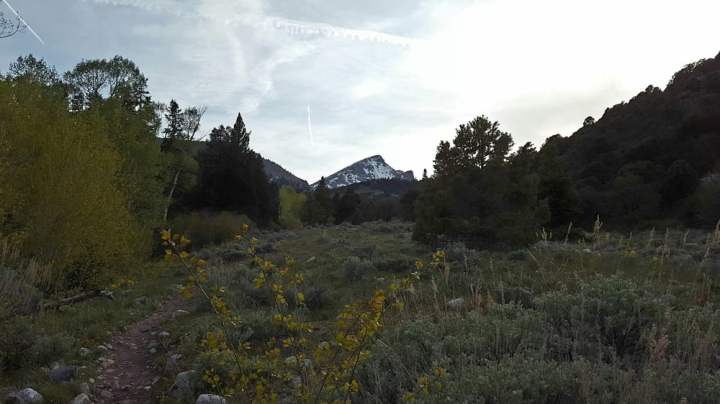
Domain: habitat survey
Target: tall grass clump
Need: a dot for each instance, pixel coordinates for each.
(21, 281)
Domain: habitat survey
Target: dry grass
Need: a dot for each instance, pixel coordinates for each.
(20, 281)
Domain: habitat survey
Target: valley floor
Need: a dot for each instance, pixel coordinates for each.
(615, 318)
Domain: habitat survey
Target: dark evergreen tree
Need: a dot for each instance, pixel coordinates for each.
(345, 206)
(239, 135)
(232, 176)
(479, 194)
(175, 124)
(319, 206)
(446, 160)
(481, 142)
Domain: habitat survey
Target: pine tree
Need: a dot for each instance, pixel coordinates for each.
(232, 176)
(319, 207)
(175, 123)
(239, 135)
(446, 160)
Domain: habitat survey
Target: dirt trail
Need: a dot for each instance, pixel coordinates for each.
(128, 372)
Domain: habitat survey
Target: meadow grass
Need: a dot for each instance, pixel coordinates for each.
(603, 318)
(611, 318)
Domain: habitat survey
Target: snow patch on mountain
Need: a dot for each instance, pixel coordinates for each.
(371, 168)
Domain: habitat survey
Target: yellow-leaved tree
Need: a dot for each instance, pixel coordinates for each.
(61, 197)
(292, 204)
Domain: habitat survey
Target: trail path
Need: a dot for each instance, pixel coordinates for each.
(128, 372)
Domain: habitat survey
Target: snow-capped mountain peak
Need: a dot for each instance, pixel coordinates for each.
(371, 168)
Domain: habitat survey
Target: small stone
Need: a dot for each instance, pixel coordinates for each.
(91, 380)
(81, 399)
(456, 303)
(153, 350)
(183, 388)
(62, 374)
(164, 334)
(210, 399)
(24, 396)
(84, 388)
(106, 394)
(85, 352)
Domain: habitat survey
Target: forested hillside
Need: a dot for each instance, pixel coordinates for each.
(654, 157)
(650, 162)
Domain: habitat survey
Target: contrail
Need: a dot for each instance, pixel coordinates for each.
(288, 26)
(295, 27)
(310, 132)
(22, 20)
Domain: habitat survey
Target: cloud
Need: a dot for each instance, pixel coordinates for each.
(368, 88)
(391, 78)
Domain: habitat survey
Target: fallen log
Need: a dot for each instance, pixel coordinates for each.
(54, 305)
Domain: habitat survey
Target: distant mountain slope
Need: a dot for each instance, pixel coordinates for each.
(281, 176)
(371, 168)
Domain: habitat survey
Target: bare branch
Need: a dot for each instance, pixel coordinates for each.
(10, 27)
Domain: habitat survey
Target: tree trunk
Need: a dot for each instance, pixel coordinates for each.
(170, 196)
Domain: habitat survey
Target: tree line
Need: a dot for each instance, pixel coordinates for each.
(93, 167)
(651, 162)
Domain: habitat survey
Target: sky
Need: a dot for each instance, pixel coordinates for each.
(322, 84)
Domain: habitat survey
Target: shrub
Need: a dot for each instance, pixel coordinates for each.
(17, 338)
(415, 348)
(367, 252)
(606, 316)
(355, 268)
(316, 297)
(49, 348)
(205, 228)
(518, 255)
(394, 264)
(457, 251)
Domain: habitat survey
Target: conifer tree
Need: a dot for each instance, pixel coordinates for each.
(239, 135)
(175, 123)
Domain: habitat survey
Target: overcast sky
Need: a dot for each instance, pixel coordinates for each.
(390, 77)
